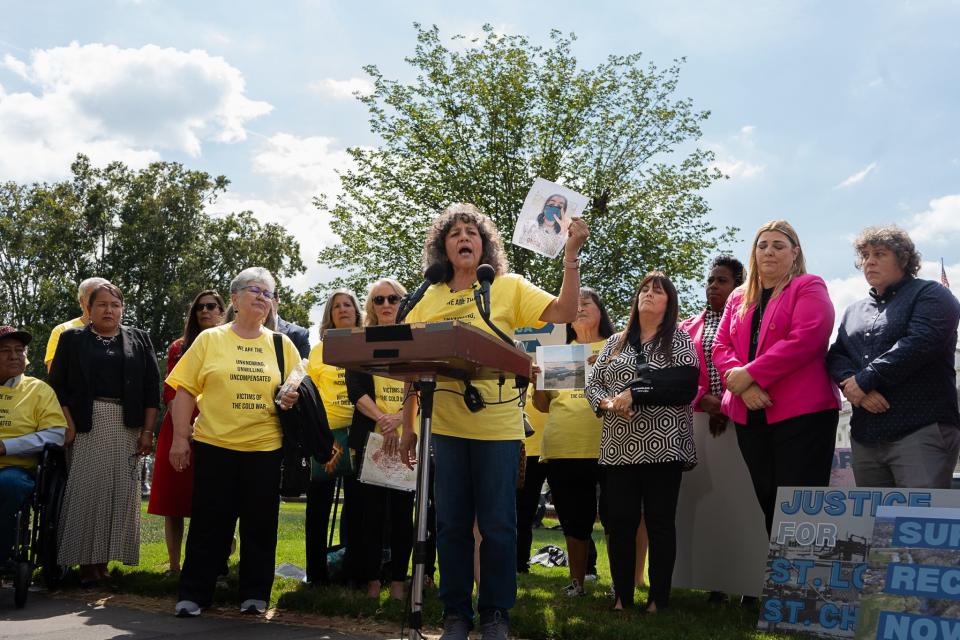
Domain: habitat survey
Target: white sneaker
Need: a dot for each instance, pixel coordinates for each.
(253, 607)
(186, 609)
(574, 590)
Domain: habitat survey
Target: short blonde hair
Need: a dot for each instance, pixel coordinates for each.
(370, 315)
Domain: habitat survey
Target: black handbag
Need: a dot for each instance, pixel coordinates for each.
(306, 433)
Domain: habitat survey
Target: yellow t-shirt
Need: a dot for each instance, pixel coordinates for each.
(29, 407)
(389, 395)
(332, 384)
(235, 380)
(573, 429)
(515, 302)
(55, 338)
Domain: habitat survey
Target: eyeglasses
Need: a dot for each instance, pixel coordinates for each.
(257, 291)
(392, 299)
(207, 306)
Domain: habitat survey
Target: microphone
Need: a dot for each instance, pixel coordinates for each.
(431, 276)
(485, 276)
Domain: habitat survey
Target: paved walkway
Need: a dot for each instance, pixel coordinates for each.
(75, 619)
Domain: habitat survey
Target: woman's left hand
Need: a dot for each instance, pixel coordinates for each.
(145, 443)
(579, 232)
(738, 380)
(390, 422)
(623, 404)
(289, 399)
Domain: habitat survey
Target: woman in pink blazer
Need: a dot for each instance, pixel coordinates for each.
(771, 349)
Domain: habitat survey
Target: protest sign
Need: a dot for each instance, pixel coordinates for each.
(912, 585)
(819, 550)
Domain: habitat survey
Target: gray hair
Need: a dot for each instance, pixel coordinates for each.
(891, 237)
(252, 274)
(87, 286)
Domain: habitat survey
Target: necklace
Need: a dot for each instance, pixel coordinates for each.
(106, 342)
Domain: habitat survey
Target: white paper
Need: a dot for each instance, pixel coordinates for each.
(563, 366)
(545, 217)
(385, 471)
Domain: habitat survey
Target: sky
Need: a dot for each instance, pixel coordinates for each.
(833, 115)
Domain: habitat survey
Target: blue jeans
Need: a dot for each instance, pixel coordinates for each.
(16, 484)
(477, 479)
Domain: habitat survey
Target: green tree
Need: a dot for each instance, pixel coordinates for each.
(479, 124)
(148, 231)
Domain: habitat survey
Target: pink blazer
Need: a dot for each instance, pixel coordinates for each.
(791, 356)
(694, 326)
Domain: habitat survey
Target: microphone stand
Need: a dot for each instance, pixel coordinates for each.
(478, 297)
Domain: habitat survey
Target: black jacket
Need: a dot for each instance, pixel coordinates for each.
(70, 376)
(359, 385)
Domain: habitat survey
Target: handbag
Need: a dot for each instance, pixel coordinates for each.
(306, 433)
(339, 464)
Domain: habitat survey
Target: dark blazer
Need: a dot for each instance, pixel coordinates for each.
(70, 376)
(299, 336)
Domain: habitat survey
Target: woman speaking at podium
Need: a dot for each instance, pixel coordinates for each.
(477, 451)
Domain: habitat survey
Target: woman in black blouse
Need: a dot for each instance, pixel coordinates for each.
(642, 385)
(108, 384)
(387, 514)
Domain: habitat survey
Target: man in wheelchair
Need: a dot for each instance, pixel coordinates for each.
(30, 418)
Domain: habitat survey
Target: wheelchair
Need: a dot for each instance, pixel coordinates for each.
(37, 523)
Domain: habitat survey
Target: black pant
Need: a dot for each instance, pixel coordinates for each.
(351, 527)
(528, 499)
(316, 524)
(573, 485)
(649, 491)
(387, 514)
(228, 485)
(797, 452)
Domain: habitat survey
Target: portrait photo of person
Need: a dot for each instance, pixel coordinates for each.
(543, 222)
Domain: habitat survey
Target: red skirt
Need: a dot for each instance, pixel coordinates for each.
(171, 493)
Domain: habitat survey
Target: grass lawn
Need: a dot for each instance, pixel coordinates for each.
(541, 612)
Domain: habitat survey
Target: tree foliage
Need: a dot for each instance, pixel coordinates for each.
(480, 122)
(146, 231)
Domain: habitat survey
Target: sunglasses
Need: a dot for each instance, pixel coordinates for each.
(207, 306)
(257, 291)
(392, 299)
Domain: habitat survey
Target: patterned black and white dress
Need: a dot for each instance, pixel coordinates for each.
(655, 433)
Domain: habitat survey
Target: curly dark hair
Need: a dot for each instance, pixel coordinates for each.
(434, 250)
(893, 238)
(735, 266)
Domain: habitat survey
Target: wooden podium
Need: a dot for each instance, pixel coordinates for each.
(420, 354)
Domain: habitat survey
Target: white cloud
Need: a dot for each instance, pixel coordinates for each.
(311, 163)
(342, 89)
(858, 176)
(738, 169)
(845, 291)
(939, 223)
(118, 104)
(876, 82)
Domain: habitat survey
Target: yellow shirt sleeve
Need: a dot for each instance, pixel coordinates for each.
(55, 338)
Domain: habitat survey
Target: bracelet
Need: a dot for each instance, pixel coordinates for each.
(571, 264)
(150, 431)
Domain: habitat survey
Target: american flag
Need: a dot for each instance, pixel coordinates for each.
(943, 275)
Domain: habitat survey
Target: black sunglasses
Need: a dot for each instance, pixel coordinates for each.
(209, 306)
(392, 299)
